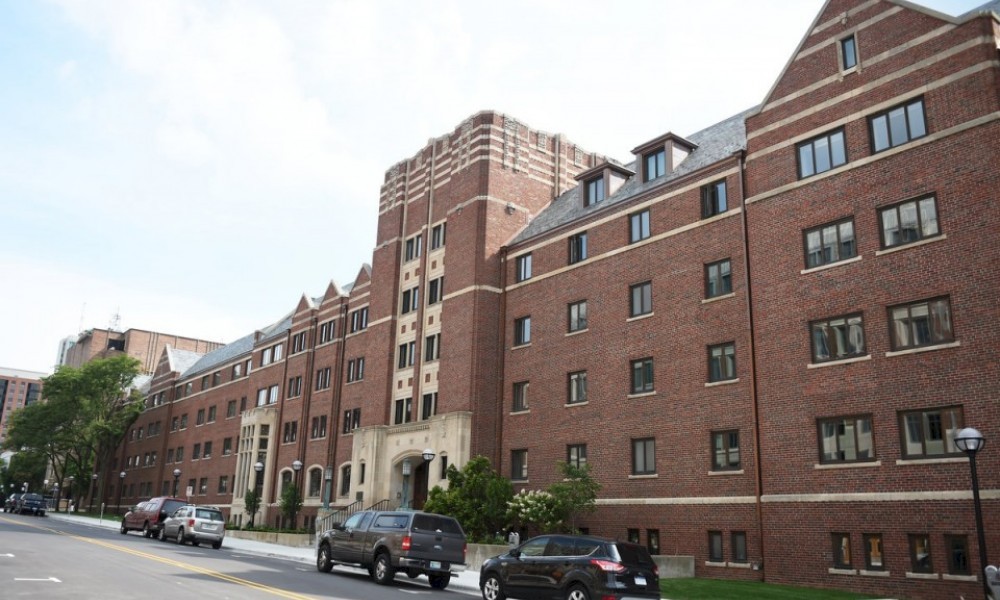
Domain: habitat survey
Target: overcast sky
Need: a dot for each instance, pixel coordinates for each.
(195, 167)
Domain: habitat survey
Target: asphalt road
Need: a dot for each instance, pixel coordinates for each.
(53, 559)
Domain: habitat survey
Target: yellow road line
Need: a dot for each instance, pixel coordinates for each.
(209, 572)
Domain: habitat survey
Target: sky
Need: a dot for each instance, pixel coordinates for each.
(195, 167)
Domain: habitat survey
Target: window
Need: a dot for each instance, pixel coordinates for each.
(203, 486)
(356, 369)
(739, 539)
(523, 264)
(204, 382)
(713, 199)
(290, 432)
(722, 362)
(873, 552)
(208, 450)
(718, 279)
(352, 419)
(179, 456)
(411, 300)
(638, 226)
(848, 53)
(898, 125)
(924, 323)
(413, 248)
(323, 378)
(837, 338)
(196, 452)
(930, 432)
(227, 446)
(359, 319)
(211, 414)
(841, 550)
(642, 299)
(295, 386)
(642, 376)
(174, 424)
(821, 154)
(655, 164)
(223, 485)
(438, 236)
(726, 450)
(299, 342)
(594, 191)
(578, 248)
(404, 411)
(170, 455)
(184, 421)
(406, 354)
(432, 347)
(846, 439)
(633, 535)
(327, 332)
(200, 418)
(576, 455)
(520, 396)
(237, 371)
(216, 378)
(920, 553)
(577, 388)
(577, 316)
(957, 549)
(644, 456)
(318, 429)
(435, 291)
(428, 408)
(315, 482)
(831, 243)
(909, 222)
(345, 480)
(522, 331)
(519, 465)
(653, 541)
(715, 546)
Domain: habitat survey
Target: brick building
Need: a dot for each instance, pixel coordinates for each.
(144, 346)
(762, 337)
(18, 388)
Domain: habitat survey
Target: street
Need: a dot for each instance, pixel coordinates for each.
(50, 558)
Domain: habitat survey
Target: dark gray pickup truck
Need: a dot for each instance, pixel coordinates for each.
(415, 543)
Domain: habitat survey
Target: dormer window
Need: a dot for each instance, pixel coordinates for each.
(655, 165)
(595, 190)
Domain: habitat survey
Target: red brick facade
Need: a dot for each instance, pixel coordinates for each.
(779, 411)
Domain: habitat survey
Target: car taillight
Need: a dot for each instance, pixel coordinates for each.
(406, 543)
(608, 565)
(190, 522)
(465, 552)
(656, 570)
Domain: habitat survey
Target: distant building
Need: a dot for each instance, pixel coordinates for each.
(141, 344)
(18, 389)
(65, 345)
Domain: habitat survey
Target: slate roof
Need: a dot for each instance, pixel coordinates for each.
(181, 360)
(993, 6)
(715, 143)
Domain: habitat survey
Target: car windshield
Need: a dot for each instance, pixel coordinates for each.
(169, 506)
(436, 523)
(211, 515)
(35, 497)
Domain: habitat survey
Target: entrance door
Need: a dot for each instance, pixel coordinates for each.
(420, 485)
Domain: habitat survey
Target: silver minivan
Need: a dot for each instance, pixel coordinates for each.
(195, 524)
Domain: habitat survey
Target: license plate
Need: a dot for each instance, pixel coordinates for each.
(640, 580)
(209, 527)
(435, 564)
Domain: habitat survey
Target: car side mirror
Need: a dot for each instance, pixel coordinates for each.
(515, 552)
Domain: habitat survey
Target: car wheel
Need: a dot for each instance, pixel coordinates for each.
(146, 532)
(217, 545)
(383, 572)
(577, 592)
(439, 581)
(493, 588)
(124, 529)
(323, 562)
(180, 536)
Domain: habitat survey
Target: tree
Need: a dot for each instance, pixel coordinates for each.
(290, 502)
(251, 502)
(477, 496)
(575, 494)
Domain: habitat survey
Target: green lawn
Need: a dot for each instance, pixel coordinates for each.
(717, 589)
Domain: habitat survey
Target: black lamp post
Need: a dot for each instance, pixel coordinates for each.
(428, 456)
(296, 466)
(93, 491)
(58, 494)
(970, 441)
(258, 467)
(69, 493)
(177, 476)
(121, 488)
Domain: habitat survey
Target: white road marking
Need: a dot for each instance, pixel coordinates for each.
(7, 555)
(52, 579)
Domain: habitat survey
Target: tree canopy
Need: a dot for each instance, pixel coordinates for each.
(477, 497)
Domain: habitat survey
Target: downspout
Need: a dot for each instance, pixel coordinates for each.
(498, 425)
(281, 412)
(758, 477)
(335, 433)
(306, 396)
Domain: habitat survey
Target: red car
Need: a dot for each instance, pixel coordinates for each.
(149, 516)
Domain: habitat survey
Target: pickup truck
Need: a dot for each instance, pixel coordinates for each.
(384, 542)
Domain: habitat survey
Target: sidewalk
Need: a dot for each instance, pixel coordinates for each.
(467, 581)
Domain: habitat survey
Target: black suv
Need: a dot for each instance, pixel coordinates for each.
(574, 567)
(31, 504)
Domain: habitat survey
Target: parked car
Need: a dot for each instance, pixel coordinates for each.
(32, 504)
(416, 543)
(11, 503)
(148, 516)
(574, 567)
(196, 524)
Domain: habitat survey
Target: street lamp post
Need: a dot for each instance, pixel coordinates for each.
(970, 441)
(93, 491)
(58, 494)
(177, 476)
(121, 488)
(406, 483)
(258, 467)
(428, 456)
(296, 466)
(69, 494)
